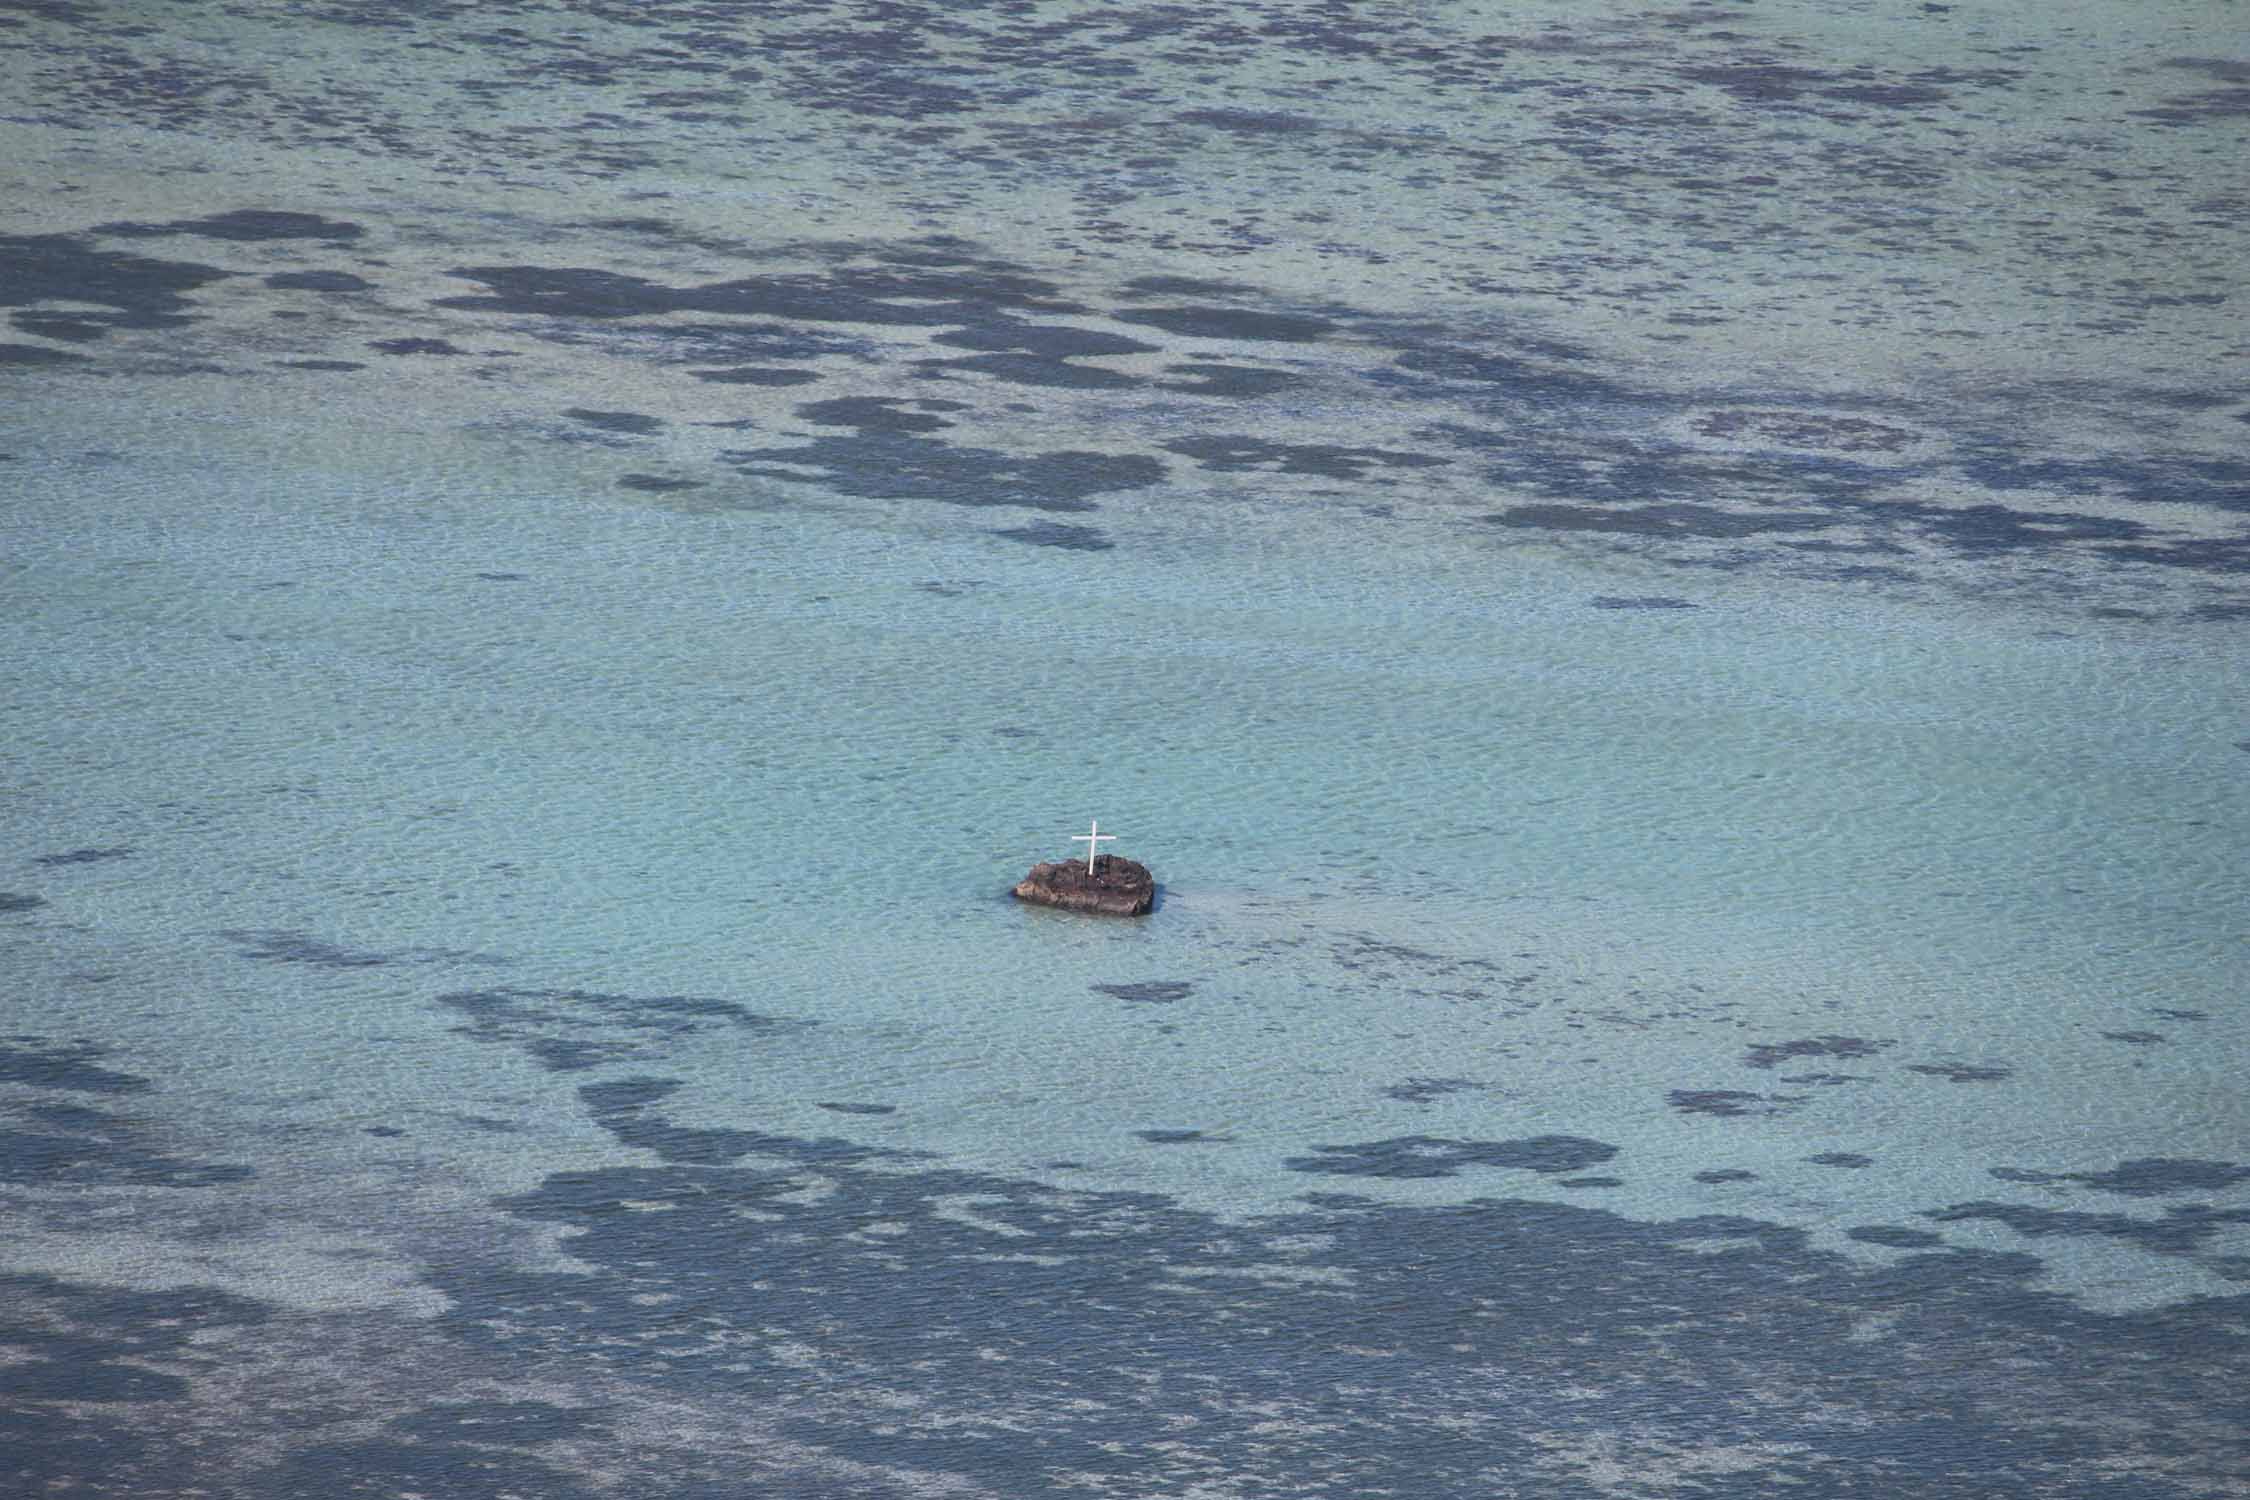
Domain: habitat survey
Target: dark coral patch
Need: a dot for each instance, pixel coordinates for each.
(2230, 100)
(622, 1108)
(632, 422)
(1182, 286)
(1530, 379)
(32, 356)
(318, 281)
(281, 946)
(1423, 1090)
(755, 375)
(1051, 341)
(1235, 382)
(1767, 1054)
(2183, 1229)
(562, 291)
(1994, 529)
(759, 345)
(1413, 1156)
(879, 413)
(57, 1380)
(1035, 370)
(1237, 453)
(1726, 1102)
(1757, 83)
(1250, 121)
(142, 291)
(244, 224)
(1231, 323)
(82, 856)
(68, 328)
(78, 1146)
(415, 346)
(628, 1093)
(1960, 1072)
(1094, 1304)
(1897, 1239)
(1150, 991)
(1638, 601)
(890, 465)
(1058, 534)
(2143, 1177)
(1805, 429)
(575, 1055)
(894, 296)
(32, 1062)
(573, 1030)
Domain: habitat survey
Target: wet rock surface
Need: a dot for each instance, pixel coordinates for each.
(1118, 887)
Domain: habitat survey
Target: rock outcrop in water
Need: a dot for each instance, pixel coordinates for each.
(1117, 888)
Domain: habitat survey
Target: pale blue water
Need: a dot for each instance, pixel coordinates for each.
(1700, 860)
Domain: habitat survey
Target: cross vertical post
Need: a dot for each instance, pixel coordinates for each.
(1093, 840)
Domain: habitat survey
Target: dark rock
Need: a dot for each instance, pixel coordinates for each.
(1118, 887)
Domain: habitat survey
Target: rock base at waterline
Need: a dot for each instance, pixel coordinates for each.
(1117, 888)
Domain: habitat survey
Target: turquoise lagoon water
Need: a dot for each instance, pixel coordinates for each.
(1700, 887)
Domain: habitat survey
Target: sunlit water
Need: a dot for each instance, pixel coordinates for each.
(460, 795)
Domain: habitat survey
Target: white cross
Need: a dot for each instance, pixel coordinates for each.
(1093, 841)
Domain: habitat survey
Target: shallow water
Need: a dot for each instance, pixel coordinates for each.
(1700, 859)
